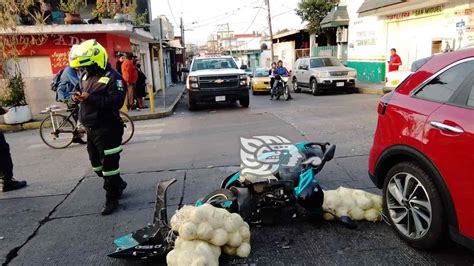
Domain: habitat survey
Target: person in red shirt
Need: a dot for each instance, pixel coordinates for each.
(395, 61)
(130, 75)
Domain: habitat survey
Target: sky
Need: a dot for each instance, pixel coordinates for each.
(204, 17)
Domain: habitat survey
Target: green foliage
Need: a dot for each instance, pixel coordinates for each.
(140, 19)
(14, 94)
(110, 9)
(313, 11)
(71, 6)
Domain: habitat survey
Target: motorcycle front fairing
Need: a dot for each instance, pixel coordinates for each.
(153, 241)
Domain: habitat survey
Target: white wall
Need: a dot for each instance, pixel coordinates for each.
(285, 51)
(32, 66)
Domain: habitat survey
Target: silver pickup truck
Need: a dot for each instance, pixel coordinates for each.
(216, 79)
(322, 73)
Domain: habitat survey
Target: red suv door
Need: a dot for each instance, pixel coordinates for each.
(449, 136)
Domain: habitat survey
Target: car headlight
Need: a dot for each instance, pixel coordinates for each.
(243, 82)
(352, 73)
(193, 79)
(243, 77)
(194, 85)
(322, 75)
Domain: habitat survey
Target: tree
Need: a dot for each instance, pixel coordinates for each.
(313, 11)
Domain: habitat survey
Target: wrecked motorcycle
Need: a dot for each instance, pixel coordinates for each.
(257, 201)
(262, 201)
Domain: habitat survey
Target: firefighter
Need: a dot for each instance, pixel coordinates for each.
(101, 93)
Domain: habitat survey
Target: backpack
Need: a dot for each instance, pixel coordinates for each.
(55, 81)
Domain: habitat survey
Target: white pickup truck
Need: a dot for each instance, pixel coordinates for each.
(216, 79)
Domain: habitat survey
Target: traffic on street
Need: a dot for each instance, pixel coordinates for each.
(298, 132)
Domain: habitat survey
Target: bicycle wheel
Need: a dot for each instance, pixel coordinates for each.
(56, 131)
(128, 128)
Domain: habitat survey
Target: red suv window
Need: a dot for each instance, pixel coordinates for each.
(442, 87)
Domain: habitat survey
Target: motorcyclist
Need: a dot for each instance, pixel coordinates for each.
(101, 93)
(281, 71)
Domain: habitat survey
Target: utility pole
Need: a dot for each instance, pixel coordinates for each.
(182, 32)
(162, 65)
(230, 38)
(271, 31)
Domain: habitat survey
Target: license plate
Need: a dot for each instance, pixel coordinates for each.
(220, 98)
(395, 82)
(340, 84)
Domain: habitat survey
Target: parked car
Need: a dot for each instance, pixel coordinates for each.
(260, 81)
(322, 73)
(423, 152)
(216, 79)
(395, 78)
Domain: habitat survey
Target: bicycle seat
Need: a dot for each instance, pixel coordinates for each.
(52, 108)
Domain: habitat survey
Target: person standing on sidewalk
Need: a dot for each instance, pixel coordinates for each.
(101, 93)
(130, 75)
(395, 60)
(7, 182)
(140, 87)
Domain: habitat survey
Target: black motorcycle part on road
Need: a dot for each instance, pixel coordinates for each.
(153, 241)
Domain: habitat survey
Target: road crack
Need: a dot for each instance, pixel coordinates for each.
(12, 254)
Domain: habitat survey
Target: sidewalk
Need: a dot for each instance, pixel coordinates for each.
(162, 109)
(370, 88)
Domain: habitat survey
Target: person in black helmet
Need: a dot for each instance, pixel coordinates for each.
(101, 93)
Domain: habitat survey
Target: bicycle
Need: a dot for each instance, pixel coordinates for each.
(58, 130)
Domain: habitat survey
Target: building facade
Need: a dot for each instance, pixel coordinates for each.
(415, 28)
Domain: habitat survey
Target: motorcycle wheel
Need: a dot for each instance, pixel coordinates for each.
(220, 195)
(286, 93)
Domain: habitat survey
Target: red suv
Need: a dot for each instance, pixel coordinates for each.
(423, 152)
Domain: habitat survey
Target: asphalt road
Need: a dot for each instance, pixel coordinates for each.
(56, 219)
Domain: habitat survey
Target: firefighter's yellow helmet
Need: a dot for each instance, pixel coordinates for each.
(88, 53)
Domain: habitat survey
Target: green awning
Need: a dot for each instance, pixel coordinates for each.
(369, 5)
(336, 17)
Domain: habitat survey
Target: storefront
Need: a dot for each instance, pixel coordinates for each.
(44, 52)
(416, 29)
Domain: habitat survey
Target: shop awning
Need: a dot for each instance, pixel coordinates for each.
(123, 29)
(369, 5)
(337, 17)
(389, 7)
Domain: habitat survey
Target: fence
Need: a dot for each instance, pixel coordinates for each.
(324, 51)
(302, 53)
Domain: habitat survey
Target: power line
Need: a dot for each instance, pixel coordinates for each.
(172, 14)
(256, 15)
(225, 14)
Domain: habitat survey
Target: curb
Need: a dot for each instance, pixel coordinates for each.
(36, 124)
(371, 91)
(169, 111)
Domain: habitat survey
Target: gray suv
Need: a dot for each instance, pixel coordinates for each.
(322, 73)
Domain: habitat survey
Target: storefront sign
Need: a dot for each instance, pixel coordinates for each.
(464, 12)
(402, 15)
(427, 11)
(59, 60)
(68, 40)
